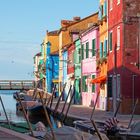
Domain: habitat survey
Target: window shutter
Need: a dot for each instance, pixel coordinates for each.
(105, 8)
(87, 49)
(93, 47)
(101, 49)
(110, 41)
(93, 85)
(109, 87)
(82, 55)
(105, 48)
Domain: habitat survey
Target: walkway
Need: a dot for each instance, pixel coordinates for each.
(82, 112)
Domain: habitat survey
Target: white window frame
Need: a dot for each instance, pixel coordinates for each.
(109, 41)
(111, 4)
(118, 2)
(118, 37)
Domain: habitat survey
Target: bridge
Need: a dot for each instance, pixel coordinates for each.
(17, 84)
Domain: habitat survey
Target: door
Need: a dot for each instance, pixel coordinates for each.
(114, 85)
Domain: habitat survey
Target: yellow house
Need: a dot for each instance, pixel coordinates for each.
(103, 50)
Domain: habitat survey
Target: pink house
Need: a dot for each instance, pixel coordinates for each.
(89, 51)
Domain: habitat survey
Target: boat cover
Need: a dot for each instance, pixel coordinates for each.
(70, 133)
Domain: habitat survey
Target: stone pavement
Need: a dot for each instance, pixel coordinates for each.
(83, 112)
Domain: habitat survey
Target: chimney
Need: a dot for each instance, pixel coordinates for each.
(76, 18)
(65, 23)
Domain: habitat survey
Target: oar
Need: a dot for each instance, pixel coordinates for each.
(94, 106)
(59, 99)
(66, 100)
(25, 115)
(117, 109)
(5, 112)
(92, 120)
(47, 116)
(53, 92)
(73, 93)
(134, 108)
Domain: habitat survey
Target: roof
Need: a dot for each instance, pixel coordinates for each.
(77, 21)
(55, 32)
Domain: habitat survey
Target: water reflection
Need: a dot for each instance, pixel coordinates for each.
(10, 106)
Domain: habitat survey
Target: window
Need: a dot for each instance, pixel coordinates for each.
(118, 2)
(93, 47)
(93, 85)
(105, 8)
(102, 10)
(110, 41)
(109, 86)
(82, 55)
(118, 37)
(105, 48)
(101, 49)
(84, 86)
(118, 86)
(111, 4)
(87, 50)
(79, 55)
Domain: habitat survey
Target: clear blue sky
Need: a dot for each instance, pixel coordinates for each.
(23, 24)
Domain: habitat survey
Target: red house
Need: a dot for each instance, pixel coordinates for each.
(124, 55)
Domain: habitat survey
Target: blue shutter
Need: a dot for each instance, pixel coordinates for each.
(101, 53)
(105, 8)
(105, 48)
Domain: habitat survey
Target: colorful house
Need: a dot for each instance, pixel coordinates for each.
(77, 70)
(52, 60)
(66, 38)
(37, 58)
(103, 51)
(89, 49)
(124, 56)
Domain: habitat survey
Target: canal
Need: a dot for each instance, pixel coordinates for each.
(10, 106)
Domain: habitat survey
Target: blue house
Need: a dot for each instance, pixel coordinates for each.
(52, 68)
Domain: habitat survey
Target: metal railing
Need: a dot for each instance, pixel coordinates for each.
(16, 84)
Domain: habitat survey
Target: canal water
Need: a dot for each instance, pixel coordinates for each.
(10, 106)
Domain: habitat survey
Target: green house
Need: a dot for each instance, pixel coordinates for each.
(77, 71)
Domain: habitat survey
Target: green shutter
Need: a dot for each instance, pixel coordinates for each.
(79, 53)
(83, 83)
(84, 86)
(87, 50)
(93, 85)
(82, 51)
(93, 47)
(110, 41)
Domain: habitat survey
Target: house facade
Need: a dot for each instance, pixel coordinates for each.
(65, 38)
(77, 71)
(52, 60)
(103, 52)
(123, 58)
(89, 45)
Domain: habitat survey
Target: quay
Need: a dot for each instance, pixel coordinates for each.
(84, 113)
(7, 134)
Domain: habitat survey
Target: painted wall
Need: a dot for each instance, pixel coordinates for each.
(77, 71)
(89, 64)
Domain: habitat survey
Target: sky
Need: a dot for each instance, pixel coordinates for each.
(23, 25)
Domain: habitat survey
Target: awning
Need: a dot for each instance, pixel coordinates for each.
(99, 79)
